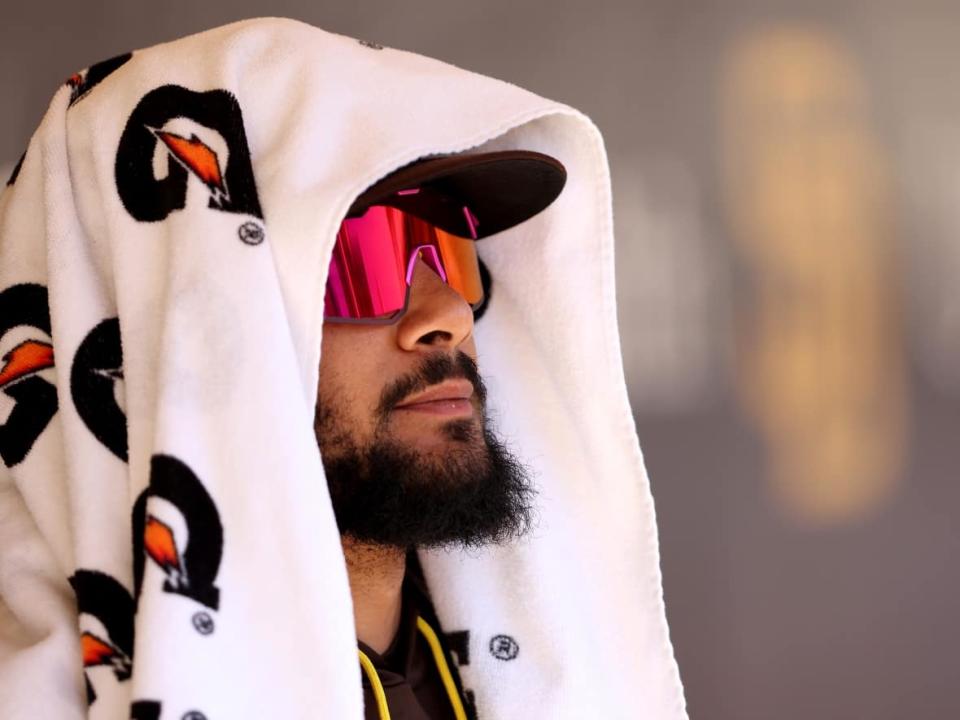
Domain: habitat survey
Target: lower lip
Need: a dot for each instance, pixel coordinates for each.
(459, 406)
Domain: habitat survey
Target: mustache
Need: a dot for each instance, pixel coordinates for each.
(434, 369)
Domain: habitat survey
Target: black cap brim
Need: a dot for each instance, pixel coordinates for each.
(501, 189)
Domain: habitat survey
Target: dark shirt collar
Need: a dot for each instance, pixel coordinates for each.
(396, 664)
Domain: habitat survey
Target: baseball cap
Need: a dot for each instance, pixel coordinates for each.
(501, 189)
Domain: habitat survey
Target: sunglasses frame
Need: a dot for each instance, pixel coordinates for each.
(436, 265)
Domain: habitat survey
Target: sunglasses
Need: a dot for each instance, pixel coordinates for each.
(374, 258)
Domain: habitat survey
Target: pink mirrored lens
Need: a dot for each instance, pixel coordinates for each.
(368, 268)
(373, 259)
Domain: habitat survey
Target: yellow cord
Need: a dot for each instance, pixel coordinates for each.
(441, 661)
(378, 692)
(442, 666)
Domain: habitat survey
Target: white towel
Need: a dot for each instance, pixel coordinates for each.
(198, 435)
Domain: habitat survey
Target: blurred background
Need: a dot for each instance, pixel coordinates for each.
(786, 183)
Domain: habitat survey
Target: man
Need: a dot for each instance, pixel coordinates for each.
(409, 454)
(248, 280)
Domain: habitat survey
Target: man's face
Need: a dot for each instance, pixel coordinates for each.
(401, 422)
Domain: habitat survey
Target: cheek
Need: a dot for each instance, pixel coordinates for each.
(351, 376)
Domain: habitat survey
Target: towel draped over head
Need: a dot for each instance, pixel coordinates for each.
(167, 542)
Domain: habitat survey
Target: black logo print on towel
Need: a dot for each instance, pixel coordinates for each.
(84, 81)
(191, 568)
(103, 598)
(145, 710)
(16, 169)
(504, 647)
(190, 571)
(150, 710)
(35, 398)
(459, 643)
(97, 368)
(230, 182)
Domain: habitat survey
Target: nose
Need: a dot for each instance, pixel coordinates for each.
(437, 317)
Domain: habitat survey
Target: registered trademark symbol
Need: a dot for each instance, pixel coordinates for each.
(193, 715)
(251, 233)
(503, 647)
(203, 623)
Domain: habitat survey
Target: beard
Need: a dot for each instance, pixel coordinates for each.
(473, 492)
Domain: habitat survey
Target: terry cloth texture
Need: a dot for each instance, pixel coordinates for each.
(168, 548)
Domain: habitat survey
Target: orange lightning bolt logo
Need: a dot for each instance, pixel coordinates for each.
(99, 652)
(198, 158)
(27, 357)
(160, 545)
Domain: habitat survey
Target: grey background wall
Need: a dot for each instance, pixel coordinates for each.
(786, 178)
